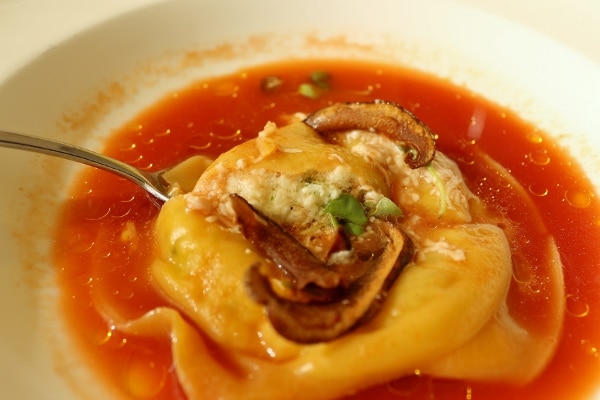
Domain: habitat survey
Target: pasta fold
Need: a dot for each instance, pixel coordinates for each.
(448, 314)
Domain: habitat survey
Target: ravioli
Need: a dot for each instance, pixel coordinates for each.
(446, 313)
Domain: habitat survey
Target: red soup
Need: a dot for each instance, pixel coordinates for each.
(97, 268)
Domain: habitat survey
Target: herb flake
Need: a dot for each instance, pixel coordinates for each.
(387, 208)
(309, 90)
(346, 210)
(321, 79)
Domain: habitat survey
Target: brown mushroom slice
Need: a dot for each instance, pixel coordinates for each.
(296, 261)
(333, 301)
(318, 321)
(385, 118)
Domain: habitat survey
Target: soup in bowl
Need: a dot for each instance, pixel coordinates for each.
(466, 273)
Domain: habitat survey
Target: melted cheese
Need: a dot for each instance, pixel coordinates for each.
(289, 186)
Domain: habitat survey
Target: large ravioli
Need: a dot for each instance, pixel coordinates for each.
(448, 314)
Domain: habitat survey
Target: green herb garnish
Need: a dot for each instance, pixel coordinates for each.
(346, 210)
(319, 82)
(353, 229)
(386, 208)
(321, 79)
(441, 188)
(309, 90)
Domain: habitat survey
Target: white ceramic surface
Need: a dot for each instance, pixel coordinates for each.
(59, 57)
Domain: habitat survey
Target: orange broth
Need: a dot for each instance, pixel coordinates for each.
(99, 266)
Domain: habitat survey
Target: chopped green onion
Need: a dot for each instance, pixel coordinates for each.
(441, 188)
(319, 82)
(334, 222)
(271, 83)
(353, 229)
(347, 211)
(321, 79)
(386, 207)
(309, 90)
(347, 208)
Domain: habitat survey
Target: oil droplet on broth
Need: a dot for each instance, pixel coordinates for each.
(124, 294)
(79, 242)
(539, 157)
(105, 337)
(576, 307)
(97, 213)
(503, 182)
(99, 338)
(538, 189)
(164, 133)
(84, 279)
(236, 134)
(578, 198)
(120, 213)
(134, 160)
(127, 147)
(142, 377)
(147, 166)
(198, 142)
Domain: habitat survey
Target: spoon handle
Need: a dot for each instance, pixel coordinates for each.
(149, 182)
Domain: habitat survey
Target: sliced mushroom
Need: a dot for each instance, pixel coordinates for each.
(334, 300)
(296, 261)
(385, 118)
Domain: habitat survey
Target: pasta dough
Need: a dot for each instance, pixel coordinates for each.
(447, 314)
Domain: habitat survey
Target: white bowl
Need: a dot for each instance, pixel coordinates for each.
(95, 65)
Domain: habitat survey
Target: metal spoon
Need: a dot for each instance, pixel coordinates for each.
(154, 183)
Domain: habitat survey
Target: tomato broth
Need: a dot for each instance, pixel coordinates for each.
(104, 240)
